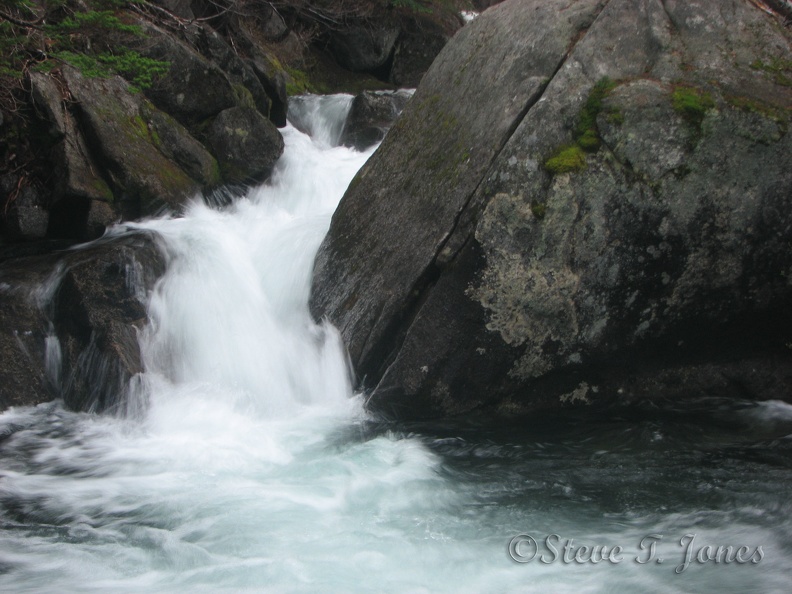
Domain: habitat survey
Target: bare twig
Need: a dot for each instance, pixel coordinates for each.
(19, 23)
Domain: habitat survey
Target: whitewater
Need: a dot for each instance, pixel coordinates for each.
(250, 464)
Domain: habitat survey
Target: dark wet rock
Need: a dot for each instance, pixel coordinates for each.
(194, 89)
(25, 215)
(273, 80)
(247, 144)
(371, 115)
(23, 330)
(69, 323)
(420, 41)
(98, 309)
(79, 181)
(530, 235)
(78, 175)
(364, 47)
(245, 82)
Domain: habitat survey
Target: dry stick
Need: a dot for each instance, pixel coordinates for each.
(19, 23)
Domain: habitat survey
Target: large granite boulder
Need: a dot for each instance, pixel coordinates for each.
(583, 202)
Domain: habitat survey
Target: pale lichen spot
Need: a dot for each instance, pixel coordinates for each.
(579, 394)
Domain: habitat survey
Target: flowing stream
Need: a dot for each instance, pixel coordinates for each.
(252, 466)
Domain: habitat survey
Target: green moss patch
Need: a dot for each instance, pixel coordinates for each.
(298, 82)
(692, 104)
(778, 69)
(758, 107)
(586, 133)
(566, 159)
(539, 209)
(572, 157)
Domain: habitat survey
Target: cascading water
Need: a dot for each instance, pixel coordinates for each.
(253, 466)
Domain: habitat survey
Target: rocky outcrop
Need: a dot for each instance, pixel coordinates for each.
(28, 216)
(23, 335)
(120, 157)
(125, 131)
(78, 159)
(370, 117)
(194, 89)
(273, 80)
(69, 323)
(582, 202)
(246, 84)
(78, 186)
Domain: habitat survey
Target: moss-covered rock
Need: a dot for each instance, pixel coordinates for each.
(126, 138)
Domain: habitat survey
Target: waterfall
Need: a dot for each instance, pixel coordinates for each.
(252, 466)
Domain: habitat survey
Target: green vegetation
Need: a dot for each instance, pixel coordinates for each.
(539, 209)
(566, 159)
(758, 107)
(780, 70)
(244, 96)
(138, 70)
(615, 117)
(587, 134)
(692, 104)
(298, 82)
(777, 114)
(89, 36)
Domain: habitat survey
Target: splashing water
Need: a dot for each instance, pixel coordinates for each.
(255, 468)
